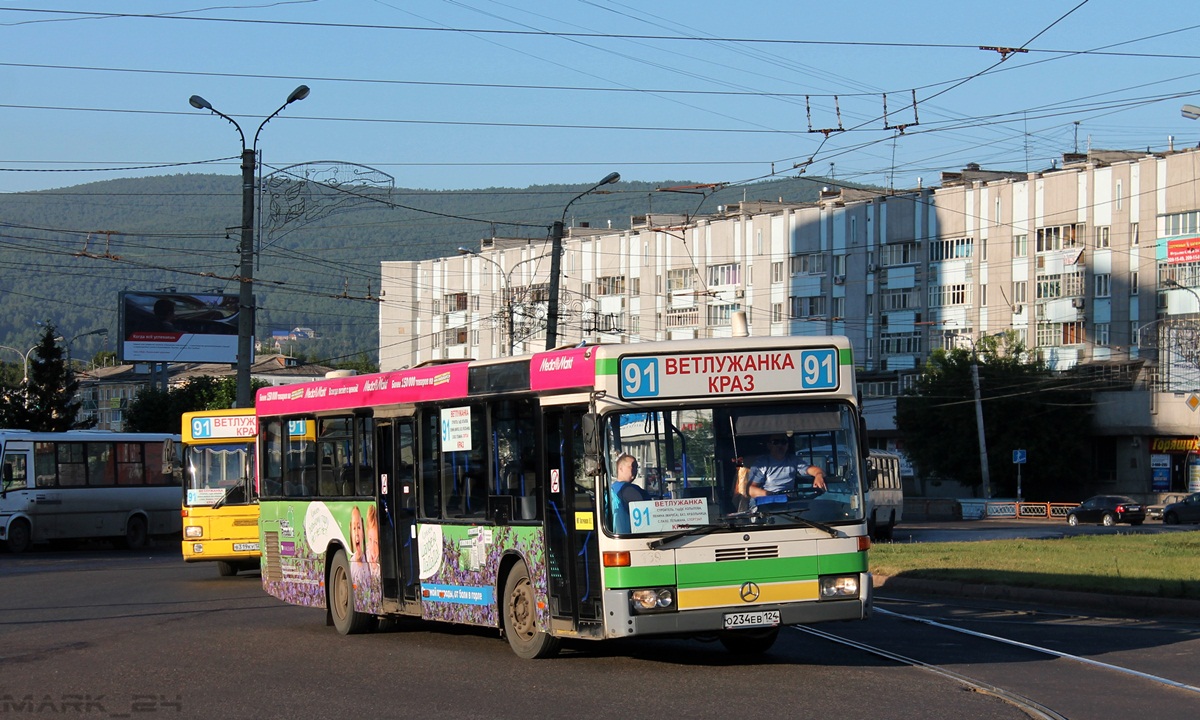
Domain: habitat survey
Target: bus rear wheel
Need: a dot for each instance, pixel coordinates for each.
(749, 642)
(135, 533)
(340, 599)
(20, 537)
(520, 618)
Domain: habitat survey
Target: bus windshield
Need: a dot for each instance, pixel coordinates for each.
(219, 473)
(727, 466)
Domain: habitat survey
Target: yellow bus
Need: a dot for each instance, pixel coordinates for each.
(220, 492)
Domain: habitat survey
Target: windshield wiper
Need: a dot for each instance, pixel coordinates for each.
(226, 495)
(694, 530)
(795, 515)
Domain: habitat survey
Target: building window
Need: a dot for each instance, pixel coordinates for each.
(1133, 234)
(455, 302)
(1133, 283)
(1101, 282)
(1020, 290)
(719, 315)
(950, 249)
(839, 265)
(810, 264)
(898, 254)
(900, 299)
(777, 272)
(1020, 245)
(680, 279)
(1057, 237)
(777, 312)
(1120, 194)
(946, 295)
(1102, 240)
(1185, 223)
(839, 308)
(610, 285)
(900, 343)
(724, 274)
(808, 306)
(1102, 334)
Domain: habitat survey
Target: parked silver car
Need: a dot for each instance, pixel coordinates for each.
(1155, 511)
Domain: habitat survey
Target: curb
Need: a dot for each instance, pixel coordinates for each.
(1139, 606)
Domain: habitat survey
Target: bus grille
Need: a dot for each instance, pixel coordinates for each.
(747, 553)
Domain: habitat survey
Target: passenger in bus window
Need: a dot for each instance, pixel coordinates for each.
(623, 491)
(776, 472)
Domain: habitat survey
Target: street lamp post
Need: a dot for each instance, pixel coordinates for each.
(98, 331)
(556, 238)
(984, 471)
(507, 276)
(246, 273)
(507, 293)
(25, 358)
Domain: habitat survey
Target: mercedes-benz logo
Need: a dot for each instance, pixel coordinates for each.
(749, 591)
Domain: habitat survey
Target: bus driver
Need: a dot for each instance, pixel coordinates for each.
(776, 472)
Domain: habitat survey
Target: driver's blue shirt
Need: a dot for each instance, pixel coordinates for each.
(776, 476)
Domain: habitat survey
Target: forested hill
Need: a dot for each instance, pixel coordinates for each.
(66, 254)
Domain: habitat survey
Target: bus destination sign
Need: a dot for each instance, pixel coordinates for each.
(729, 373)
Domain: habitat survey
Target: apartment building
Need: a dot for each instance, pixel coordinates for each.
(1094, 263)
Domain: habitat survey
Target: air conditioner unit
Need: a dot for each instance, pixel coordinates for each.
(739, 293)
(872, 268)
(839, 279)
(1077, 303)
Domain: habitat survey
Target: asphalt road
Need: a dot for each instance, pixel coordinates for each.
(98, 632)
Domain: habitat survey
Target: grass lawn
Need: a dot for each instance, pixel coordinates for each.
(1159, 565)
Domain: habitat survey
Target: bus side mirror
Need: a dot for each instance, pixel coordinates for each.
(591, 442)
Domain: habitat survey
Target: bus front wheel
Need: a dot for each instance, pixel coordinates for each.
(226, 569)
(20, 538)
(520, 618)
(340, 600)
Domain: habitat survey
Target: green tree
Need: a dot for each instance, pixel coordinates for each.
(1025, 407)
(156, 410)
(48, 402)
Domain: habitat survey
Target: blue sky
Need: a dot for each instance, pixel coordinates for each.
(446, 94)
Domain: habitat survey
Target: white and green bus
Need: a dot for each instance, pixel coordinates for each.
(83, 484)
(481, 492)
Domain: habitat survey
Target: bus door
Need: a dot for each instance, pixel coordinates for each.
(398, 506)
(572, 548)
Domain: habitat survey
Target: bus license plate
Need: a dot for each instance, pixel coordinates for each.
(763, 618)
(244, 547)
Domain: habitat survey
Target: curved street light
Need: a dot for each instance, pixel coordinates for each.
(97, 331)
(556, 238)
(506, 275)
(25, 357)
(246, 279)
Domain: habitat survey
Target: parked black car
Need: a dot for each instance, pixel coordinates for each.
(1186, 510)
(1108, 510)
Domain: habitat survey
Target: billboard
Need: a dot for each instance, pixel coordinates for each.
(178, 327)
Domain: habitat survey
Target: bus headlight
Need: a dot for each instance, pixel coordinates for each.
(652, 599)
(193, 531)
(839, 586)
